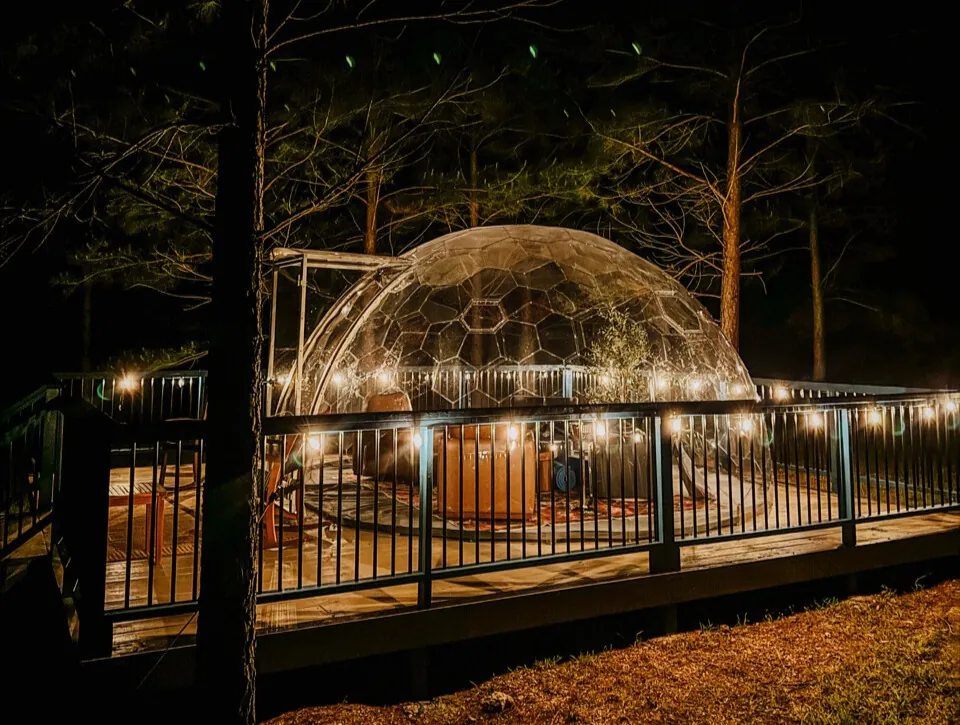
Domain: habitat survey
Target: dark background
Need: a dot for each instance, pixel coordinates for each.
(912, 338)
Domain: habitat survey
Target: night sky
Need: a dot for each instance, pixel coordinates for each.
(911, 338)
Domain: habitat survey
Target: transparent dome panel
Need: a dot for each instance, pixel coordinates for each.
(511, 315)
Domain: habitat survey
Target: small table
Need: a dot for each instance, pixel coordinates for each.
(119, 495)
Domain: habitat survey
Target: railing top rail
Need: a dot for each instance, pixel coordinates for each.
(356, 421)
(844, 387)
(143, 375)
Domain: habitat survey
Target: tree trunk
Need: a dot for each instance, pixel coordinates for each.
(87, 331)
(225, 637)
(373, 181)
(730, 283)
(816, 282)
(474, 199)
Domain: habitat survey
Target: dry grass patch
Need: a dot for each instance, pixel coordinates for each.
(876, 659)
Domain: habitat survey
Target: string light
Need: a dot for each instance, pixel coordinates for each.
(875, 417)
(417, 440)
(662, 383)
(636, 438)
(929, 412)
(384, 377)
(313, 441)
(180, 383)
(130, 381)
(746, 425)
(695, 384)
(512, 433)
(738, 389)
(337, 378)
(951, 406)
(554, 448)
(781, 393)
(600, 429)
(676, 425)
(816, 420)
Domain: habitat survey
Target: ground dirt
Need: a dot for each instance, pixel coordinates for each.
(885, 658)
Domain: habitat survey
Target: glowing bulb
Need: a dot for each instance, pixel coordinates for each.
(384, 377)
(600, 429)
(417, 440)
(875, 417)
(605, 379)
(512, 433)
(781, 393)
(129, 382)
(636, 437)
(951, 406)
(928, 413)
(313, 441)
(676, 425)
(746, 425)
(816, 420)
(738, 389)
(554, 448)
(337, 378)
(662, 383)
(180, 383)
(695, 384)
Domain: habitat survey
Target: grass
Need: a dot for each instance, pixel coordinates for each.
(887, 658)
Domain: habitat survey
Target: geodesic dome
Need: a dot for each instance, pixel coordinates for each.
(507, 315)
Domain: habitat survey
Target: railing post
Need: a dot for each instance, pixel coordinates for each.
(844, 478)
(665, 554)
(80, 524)
(425, 586)
(50, 443)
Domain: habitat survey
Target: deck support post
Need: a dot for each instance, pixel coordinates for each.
(845, 479)
(665, 554)
(425, 586)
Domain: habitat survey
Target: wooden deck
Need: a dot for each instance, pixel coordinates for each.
(284, 616)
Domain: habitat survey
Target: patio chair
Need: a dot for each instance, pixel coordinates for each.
(188, 446)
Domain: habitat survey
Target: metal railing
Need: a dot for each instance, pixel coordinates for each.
(135, 398)
(354, 502)
(30, 438)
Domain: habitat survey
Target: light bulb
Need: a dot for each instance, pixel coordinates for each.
(337, 378)
(417, 440)
(180, 383)
(746, 425)
(928, 413)
(605, 379)
(738, 389)
(600, 429)
(662, 383)
(313, 440)
(129, 382)
(554, 448)
(781, 393)
(816, 420)
(384, 377)
(875, 417)
(636, 438)
(676, 425)
(695, 384)
(951, 406)
(512, 433)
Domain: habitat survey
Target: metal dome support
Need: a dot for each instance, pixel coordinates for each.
(303, 260)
